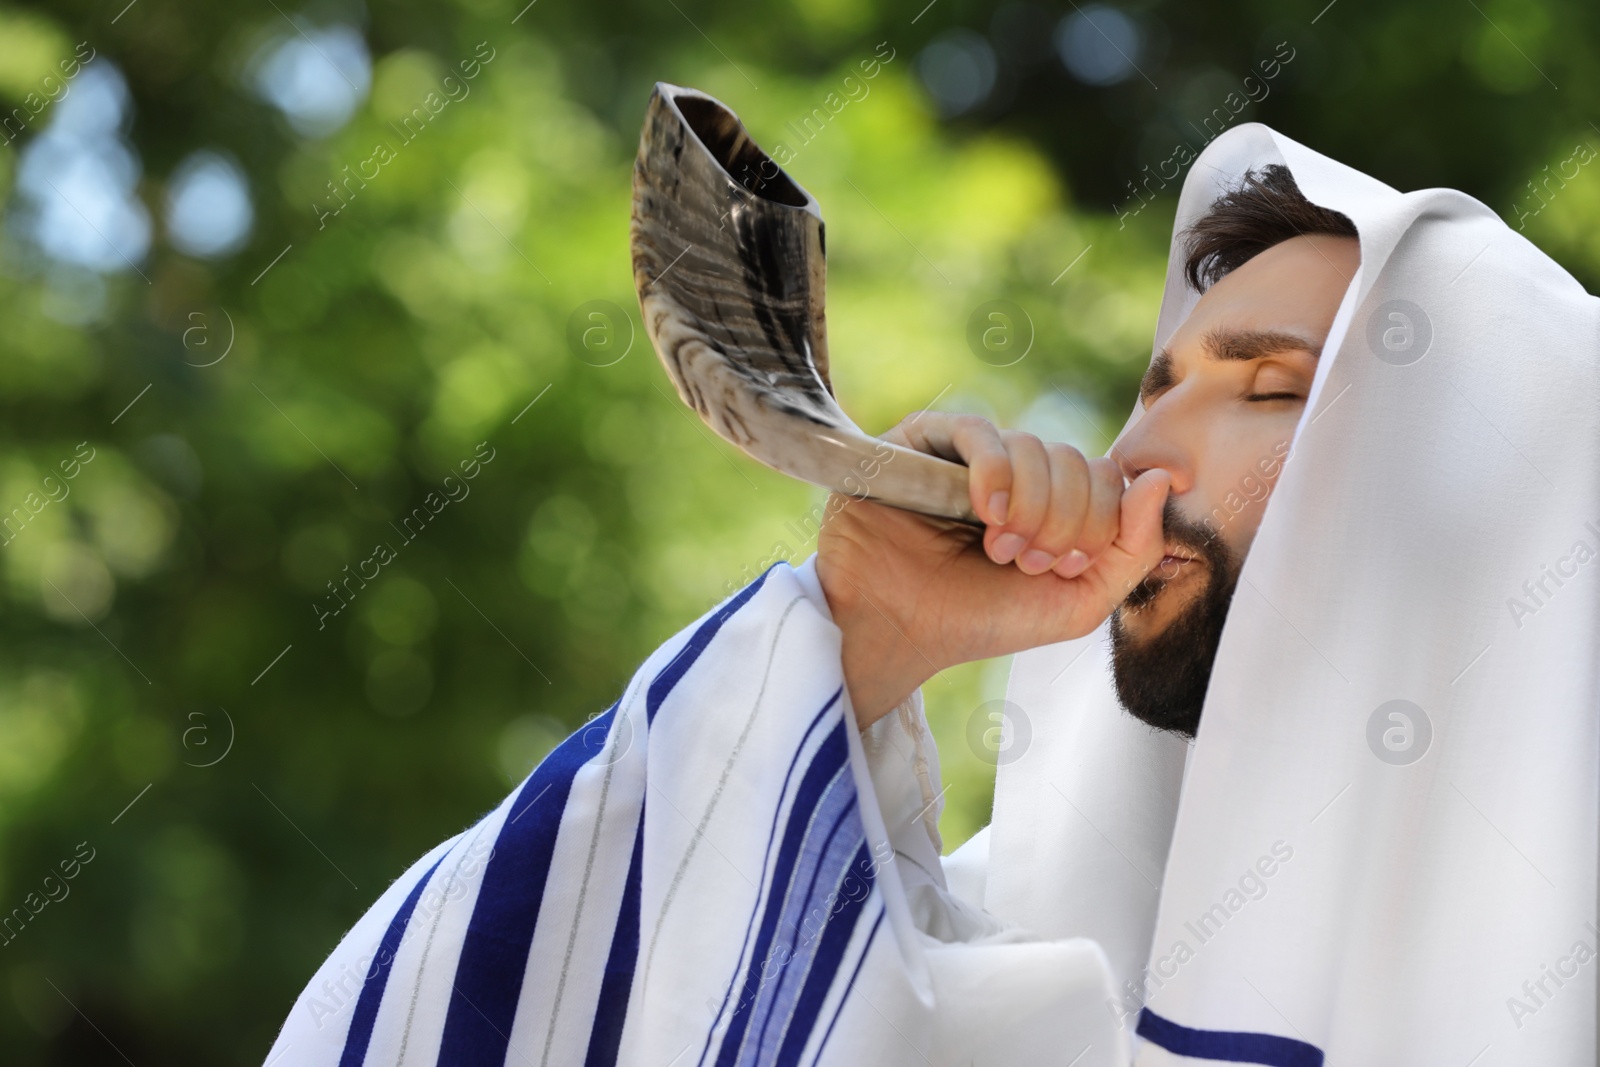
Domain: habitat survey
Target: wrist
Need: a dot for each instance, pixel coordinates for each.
(881, 668)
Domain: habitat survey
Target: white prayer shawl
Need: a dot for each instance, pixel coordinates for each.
(1343, 879)
(702, 875)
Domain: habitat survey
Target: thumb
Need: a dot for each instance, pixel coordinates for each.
(1140, 536)
(1139, 529)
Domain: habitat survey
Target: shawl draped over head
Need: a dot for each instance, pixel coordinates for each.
(1380, 848)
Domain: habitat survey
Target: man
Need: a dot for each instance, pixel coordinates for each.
(1222, 398)
(1380, 846)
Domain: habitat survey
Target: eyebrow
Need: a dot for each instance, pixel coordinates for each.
(1229, 345)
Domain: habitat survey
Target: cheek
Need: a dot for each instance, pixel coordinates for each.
(1237, 473)
(1239, 534)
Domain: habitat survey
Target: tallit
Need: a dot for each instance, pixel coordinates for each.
(721, 870)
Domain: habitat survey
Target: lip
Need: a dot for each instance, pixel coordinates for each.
(1170, 560)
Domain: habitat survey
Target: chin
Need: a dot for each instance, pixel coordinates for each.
(1164, 603)
(1164, 639)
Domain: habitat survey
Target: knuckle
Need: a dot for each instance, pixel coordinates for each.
(1021, 437)
(973, 432)
(991, 467)
(1107, 476)
(1068, 460)
(1105, 467)
(967, 431)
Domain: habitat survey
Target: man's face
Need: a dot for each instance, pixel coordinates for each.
(1221, 403)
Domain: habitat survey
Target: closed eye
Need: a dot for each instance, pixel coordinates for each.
(1273, 396)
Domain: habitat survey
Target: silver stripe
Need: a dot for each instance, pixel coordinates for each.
(762, 898)
(588, 869)
(427, 946)
(716, 796)
(747, 966)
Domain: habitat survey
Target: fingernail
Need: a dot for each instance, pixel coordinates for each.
(1035, 561)
(1006, 547)
(1072, 564)
(998, 502)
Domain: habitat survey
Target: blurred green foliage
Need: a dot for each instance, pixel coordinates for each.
(163, 644)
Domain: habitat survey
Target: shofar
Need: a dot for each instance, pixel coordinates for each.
(728, 259)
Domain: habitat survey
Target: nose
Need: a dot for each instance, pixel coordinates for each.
(1152, 442)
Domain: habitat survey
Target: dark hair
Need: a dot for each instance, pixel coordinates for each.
(1264, 209)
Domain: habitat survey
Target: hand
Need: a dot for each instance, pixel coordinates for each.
(1064, 543)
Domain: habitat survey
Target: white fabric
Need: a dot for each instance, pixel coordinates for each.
(1332, 907)
(1418, 500)
(611, 910)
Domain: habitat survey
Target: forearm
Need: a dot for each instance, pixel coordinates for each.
(881, 667)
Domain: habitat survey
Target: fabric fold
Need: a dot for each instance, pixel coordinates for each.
(704, 874)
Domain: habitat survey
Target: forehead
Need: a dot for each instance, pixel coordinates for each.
(1293, 287)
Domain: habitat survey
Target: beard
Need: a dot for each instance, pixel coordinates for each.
(1161, 679)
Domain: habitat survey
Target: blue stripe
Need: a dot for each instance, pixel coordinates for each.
(1227, 1045)
(373, 985)
(605, 1037)
(494, 954)
(772, 834)
(616, 987)
(831, 755)
(690, 652)
(843, 997)
(830, 954)
(832, 860)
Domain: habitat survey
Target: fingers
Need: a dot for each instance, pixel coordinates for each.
(1046, 507)
(1101, 519)
(968, 439)
(1029, 503)
(1065, 511)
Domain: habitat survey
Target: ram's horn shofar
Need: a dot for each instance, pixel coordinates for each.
(728, 261)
